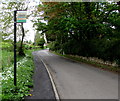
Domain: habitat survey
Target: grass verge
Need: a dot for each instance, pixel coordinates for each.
(25, 67)
(114, 69)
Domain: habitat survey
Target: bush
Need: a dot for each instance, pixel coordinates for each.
(24, 74)
(7, 46)
(24, 81)
(7, 59)
(40, 42)
(54, 46)
(106, 49)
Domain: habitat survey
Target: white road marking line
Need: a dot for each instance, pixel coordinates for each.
(52, 81)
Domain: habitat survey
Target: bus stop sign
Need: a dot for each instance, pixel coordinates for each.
(21, 16)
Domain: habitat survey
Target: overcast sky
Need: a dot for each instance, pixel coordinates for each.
(28, 25)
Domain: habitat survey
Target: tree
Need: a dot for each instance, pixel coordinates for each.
(7, 21)
(82, 28)
(39, 39)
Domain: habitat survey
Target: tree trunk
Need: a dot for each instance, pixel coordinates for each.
(21, 50)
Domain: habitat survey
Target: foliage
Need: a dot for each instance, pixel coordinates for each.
(88, 29)
(7, 16)
(41, 42)
(7, 22)
(96, 63)
(30, 46)
(7, 54)
(24, 73)
(6, 46)
(39, 39)
(7, 59)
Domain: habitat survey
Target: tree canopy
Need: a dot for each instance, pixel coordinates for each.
(82, 28)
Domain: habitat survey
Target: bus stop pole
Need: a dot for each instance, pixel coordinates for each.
(15, 64)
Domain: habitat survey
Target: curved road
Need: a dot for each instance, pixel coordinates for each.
(80, 81)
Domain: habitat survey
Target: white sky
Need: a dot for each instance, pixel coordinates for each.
(28, 25)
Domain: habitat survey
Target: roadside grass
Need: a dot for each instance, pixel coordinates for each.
(24, 81)
(7, 59)
(114, 69)
(25, 67)
(29, 51)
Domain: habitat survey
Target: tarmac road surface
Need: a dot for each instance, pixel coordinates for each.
(75, 80)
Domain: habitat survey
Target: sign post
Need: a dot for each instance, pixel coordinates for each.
(15, 64)
(21, 18)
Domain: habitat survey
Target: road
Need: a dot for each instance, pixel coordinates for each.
(42, 87)
(78, 80)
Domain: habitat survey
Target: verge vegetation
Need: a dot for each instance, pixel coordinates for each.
(25, 67)
(87, 29)
(105, 66)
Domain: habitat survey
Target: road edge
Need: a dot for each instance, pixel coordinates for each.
(95, 66)
(52, 82)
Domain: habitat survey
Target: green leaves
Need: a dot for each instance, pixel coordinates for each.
(24, 80)
(72, 27)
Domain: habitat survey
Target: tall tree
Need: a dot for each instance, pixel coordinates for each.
(82, 28)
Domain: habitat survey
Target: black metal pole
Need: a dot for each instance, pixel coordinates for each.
(15, 64)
